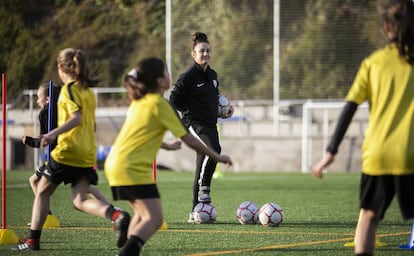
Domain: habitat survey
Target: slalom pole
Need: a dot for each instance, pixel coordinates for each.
(51, 220)
(50, 117)
(154, 170)
(164, 225)
(4, 155)
(7, 236)
(410, 245)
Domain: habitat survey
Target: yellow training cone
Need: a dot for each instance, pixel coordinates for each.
(7, 236)
(377, 243)
(164, 225)
(217, 172)
(51, 222)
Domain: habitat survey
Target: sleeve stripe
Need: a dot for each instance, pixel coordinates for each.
(71, 94)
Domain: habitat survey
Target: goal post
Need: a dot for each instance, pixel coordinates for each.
(324, 114)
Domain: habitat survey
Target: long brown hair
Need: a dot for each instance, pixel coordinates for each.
(399, 14)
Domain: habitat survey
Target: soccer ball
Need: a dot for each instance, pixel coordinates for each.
(271, 215)
(223, 106)
(247, 213)
(205, 213)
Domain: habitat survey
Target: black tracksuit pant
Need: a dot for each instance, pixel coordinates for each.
(205, 165)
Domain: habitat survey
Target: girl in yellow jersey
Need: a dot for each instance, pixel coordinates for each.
(73, 158)
(128, 166)
(385, 79)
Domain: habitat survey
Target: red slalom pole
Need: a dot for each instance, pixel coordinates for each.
(4, 166)
(7, 236)
(154, 170)
(164, 225)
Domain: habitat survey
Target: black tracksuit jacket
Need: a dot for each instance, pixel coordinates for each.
(195, 96)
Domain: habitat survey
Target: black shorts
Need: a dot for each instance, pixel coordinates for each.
(377, 192)
(39, 171)
(131, 193)
(58, 173)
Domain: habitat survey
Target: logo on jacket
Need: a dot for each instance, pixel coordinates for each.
(215, 83)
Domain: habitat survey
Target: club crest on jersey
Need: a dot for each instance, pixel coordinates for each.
(215, 83)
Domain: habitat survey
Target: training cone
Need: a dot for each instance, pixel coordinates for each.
(218, 173)
(377, 243)
(7, 236)
(51, 222)
(410, 245)
(164, 225)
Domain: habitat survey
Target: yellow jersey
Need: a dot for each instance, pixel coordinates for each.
(130, 159)
(386, 81)
(76, 147)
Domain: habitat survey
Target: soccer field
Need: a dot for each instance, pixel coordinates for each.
(320, 217)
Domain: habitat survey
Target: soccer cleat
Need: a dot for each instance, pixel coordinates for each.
(27, 245)
(204, 195)
(120, 225)
(191, 218)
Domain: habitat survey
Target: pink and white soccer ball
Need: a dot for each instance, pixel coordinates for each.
(204, 213)
(223, 106)
(247, 213)
(271, 215)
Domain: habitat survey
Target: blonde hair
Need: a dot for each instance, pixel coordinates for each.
(44, 88)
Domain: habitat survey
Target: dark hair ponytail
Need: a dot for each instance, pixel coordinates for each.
(143, 78)
(199, 37)
(400, 16)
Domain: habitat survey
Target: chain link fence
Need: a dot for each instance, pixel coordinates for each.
(321, 44)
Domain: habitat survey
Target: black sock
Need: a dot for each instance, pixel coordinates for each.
(35, 234)
(50, 212)
(132, 246)
(109, 212)
(363, 254)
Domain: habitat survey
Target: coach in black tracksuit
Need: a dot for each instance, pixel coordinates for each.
(195, 95)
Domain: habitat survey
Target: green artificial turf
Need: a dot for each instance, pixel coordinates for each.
(320, 217)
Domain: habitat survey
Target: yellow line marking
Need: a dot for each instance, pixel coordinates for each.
(65, 228)
(281, 246)
(284, 246)
(271, 247)
(171, 230)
